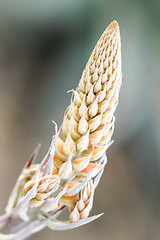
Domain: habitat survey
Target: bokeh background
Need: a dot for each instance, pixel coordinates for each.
(44, 46)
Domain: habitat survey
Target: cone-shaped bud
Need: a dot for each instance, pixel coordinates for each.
(59, 149)
(65, 127)
(83, 142)
(88, 85)
(101, 95)
(83, 125)
(72, 185)
(57, 161)
(95, 137)
(74, 131)
(93, 67)
(74, 216)
(91, 97)
(98, 85)
(93, 108)
(84, 194)
(69, 145)
(83, 108)
(95, 76)
(95, 122)
(80, 203)
(86, 210)
(81, 86)
(77, 100)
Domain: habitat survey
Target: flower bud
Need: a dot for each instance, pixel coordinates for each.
(69, 145)
(101, 95)
(95, 137)
(74, 216)
(83, 142)
(88, 85)
(103, 106)
(84, 194)
(93, 68)
(65, 127)
(80, 204)
(105, 74)
(86, 211)
(82, 108)
(74, 131)
(91, 166)
(77, 100)
(83, 125)
(98, 86)
(71, 186)
(81, 86)
(93, 108)
(95, 76)
(91, 97)
(65, 170)
(59, 149)
(80, 163)
(57, 161)
(95, 122)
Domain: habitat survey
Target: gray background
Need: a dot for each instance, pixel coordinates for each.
(44, 46)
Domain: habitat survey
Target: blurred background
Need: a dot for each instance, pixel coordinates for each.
(44, 46)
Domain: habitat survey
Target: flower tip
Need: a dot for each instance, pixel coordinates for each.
(114, 25)
(113, 28)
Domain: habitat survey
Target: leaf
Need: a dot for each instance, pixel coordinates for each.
(30, 228)
(27, 231)
(62, 225)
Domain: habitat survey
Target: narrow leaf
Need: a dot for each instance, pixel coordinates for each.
(60, 225)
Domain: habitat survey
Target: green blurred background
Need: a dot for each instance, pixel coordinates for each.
(44, 46)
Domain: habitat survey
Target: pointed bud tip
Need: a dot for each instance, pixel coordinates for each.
(114, 25)
(113, 28)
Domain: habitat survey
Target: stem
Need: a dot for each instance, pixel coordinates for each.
(14, 228)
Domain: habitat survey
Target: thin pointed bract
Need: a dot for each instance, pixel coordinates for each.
(13, 196)
(59, 225)
(71, 169)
